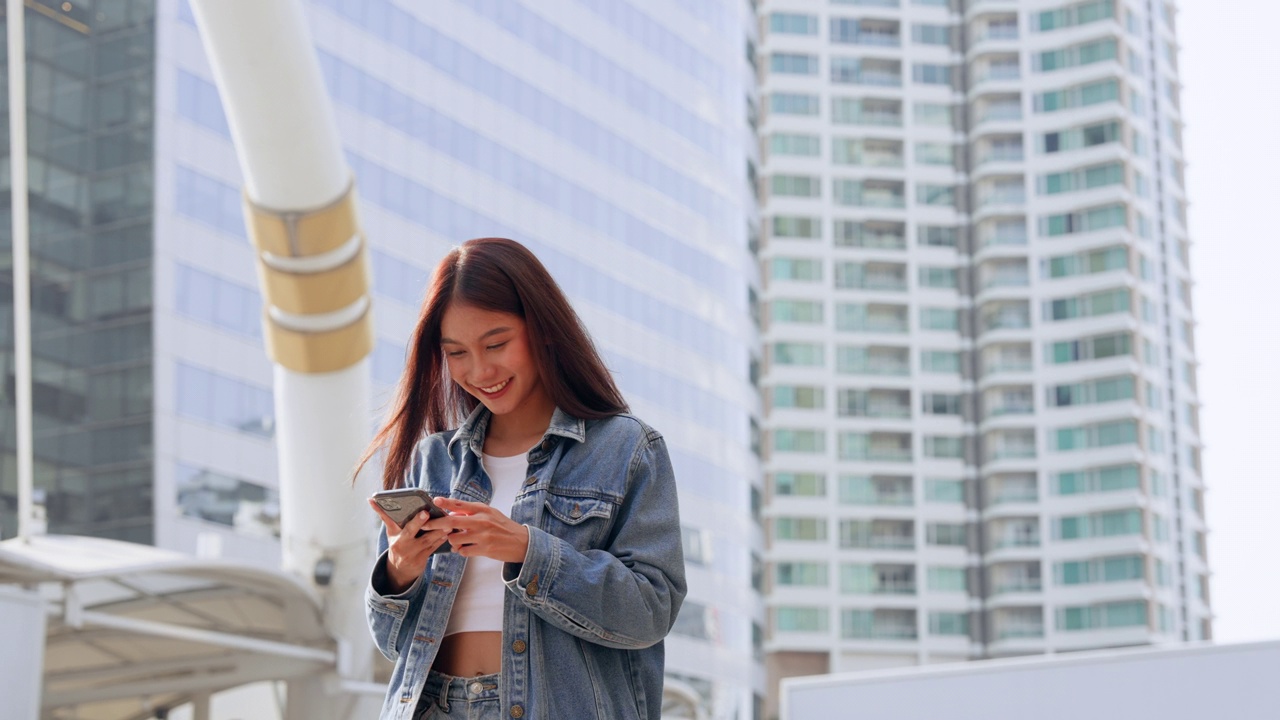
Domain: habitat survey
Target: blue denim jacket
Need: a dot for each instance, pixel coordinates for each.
(585, 614)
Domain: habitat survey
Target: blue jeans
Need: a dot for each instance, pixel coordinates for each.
(454, 698)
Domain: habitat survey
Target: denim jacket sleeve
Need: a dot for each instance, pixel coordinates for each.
(386, 613)
(628, 594)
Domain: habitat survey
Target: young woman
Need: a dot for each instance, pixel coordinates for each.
(565, 571)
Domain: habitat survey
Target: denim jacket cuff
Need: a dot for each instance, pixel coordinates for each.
(532, 579)
(379, 582)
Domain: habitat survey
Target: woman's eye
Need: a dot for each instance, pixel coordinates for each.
(454, 353)
(495, 346)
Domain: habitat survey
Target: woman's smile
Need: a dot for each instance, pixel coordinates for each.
(494, 391)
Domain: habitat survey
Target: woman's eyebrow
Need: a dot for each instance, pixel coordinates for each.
(495, 331)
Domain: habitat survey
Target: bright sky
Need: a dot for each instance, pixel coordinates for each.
(1230, 67)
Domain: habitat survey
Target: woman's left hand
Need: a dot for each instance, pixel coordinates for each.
(476, 529)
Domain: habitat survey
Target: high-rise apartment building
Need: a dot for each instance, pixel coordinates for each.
(609, 136)
(981, 413)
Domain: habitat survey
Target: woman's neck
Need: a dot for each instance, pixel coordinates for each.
(515, 432)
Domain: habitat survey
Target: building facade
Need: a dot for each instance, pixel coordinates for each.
(609, 136)
(981, 413)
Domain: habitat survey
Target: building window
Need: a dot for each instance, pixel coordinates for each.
(800, 619)
(940, 361)
(944, 491)
(799, 484)
(803, 574)
(949, 623)
(799, 441)
(947, 579)
(1103, 524)
(793, 23)
(246, 506)
(1095, 480)
(790, 226)
(947, 534)
(794, 104)
(805, 529)
(797, 353)
(793, 64)
(1106, 434)
(800, 397)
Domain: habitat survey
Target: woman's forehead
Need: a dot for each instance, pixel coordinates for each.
(462, 322)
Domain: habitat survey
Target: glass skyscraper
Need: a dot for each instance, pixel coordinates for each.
(91, 127)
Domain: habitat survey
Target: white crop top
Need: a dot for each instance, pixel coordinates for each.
(478, 605)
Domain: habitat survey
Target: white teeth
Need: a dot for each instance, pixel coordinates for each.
(497, 387)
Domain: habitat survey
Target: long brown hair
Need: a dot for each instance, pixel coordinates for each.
(500, 275)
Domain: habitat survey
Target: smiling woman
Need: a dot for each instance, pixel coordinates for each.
(566, 570)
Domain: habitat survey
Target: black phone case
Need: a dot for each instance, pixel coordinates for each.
(400, 505)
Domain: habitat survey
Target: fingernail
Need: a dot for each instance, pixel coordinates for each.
(422, 515)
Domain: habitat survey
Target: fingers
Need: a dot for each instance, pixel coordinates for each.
(415, 523)
(392, 527)
(460, 506)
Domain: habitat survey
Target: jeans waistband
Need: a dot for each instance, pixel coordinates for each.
(482, 687)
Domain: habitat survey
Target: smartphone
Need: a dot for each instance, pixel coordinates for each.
(404, 503)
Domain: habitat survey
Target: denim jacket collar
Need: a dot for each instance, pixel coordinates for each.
(471, 432)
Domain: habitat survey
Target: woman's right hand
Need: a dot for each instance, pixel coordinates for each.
(407, 554)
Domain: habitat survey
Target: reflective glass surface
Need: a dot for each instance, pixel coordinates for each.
(90, 83)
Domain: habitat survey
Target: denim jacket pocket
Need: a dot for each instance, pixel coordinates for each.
(584, 521)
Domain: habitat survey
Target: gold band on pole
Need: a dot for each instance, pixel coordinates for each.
(318, 292)
(303, 234)
(320, 352)
(307, 234)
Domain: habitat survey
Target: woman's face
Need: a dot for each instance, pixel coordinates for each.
(488, 355)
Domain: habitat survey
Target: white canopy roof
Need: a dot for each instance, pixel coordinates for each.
(133, 627)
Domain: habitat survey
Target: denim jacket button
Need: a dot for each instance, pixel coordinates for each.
(517, 711)
(517, 647)
(546, 444)
(531, 480)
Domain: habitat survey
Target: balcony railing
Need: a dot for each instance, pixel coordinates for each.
(878, 39)
(1004, 197)
(889, 455)
(1006, 237)
(1017, 586)
(1003, 366)
(879, 367)
(901, 588)
(1007, 321)
(1011, 155)
(1011, 409)
(886, 497)
(1007, 279)
(1013, 453)
(900, 632)
(891, 542)
(1016, 541)
(1020, 631)
(996, 32)
(1014, 495)
(894, 411)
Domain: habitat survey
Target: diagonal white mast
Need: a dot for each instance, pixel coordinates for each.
(312, 264)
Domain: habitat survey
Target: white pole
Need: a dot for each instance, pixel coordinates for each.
(318, 329)
(22, 629)
(15, 16)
